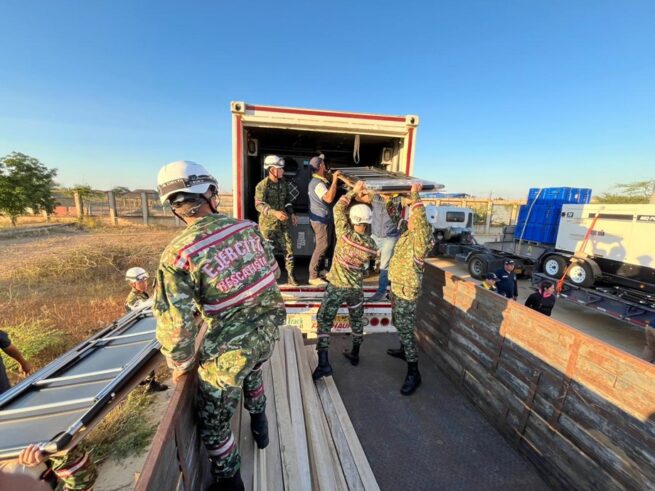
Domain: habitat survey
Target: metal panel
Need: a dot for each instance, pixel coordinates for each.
(385, 181)
(53, 405)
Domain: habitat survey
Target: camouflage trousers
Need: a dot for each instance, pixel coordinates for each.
(74, 469)
(403, 315)
(221, 380)
(334, 297)
(280, 239)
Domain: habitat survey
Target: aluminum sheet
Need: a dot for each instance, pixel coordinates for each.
(53, 405)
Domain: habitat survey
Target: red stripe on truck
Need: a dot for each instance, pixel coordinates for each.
(308, 112)
(238, 190)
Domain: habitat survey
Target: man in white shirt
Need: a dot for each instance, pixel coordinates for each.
(321, 196)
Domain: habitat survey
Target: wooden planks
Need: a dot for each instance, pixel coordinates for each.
(582, 411)
(312, 443)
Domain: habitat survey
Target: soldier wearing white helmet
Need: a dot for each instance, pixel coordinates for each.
(137, 278)
(225, 270)
(186, 186)
(138, 281)
(274, 202)
(354, 249)
(360, 214)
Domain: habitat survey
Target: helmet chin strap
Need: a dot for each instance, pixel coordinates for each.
(210, 201)
(179, 216)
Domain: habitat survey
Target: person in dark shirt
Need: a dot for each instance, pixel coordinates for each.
(506, 283)
(11, 350)
(543, 300)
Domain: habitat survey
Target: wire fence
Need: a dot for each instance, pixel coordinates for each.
(144, 208)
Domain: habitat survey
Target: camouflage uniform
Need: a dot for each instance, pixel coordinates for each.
(351, 254)
(406, 275)
(135, 299)
(223, 268)
(276, 196)
(74, 469)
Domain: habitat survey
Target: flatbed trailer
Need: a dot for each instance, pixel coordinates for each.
(488, 257)
(634, 307)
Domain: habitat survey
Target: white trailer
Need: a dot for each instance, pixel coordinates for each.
(622, 233)
(620, 247)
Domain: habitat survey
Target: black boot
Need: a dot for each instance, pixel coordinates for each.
(155, 386)
(234, 483)
(353, 355)
(324, 369)
(412, 380)
(259, 428)
(397, 353)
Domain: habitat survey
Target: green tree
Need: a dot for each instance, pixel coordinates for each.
(637, 192)
(85, 192)
(25, 183)
(120, 190)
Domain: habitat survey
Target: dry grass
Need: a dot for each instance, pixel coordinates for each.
(57, 291)
(69, 286)
(124, 432)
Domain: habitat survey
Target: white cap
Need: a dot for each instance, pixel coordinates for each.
(316, 162)
(273, 161)
(136, 274)
(183, 176)
(360, 213)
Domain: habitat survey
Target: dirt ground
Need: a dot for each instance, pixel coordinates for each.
(120, 475)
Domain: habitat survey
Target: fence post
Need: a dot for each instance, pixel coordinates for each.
(513, 216)
(144, 207)
(78, 205)
(113, 211)
(487, 224)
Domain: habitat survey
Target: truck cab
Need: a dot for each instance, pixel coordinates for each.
(450, 223)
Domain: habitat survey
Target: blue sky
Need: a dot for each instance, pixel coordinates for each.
(511, 94)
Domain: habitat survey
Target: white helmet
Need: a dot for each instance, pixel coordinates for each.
(273, 161)
(183, 176)
(136, 274)
(360, 213)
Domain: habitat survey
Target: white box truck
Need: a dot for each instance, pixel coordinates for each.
(348, 140)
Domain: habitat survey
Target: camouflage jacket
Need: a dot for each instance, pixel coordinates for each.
(406, 268)
(273, 196)
(135, 299)
(222, 268)
(352, 251)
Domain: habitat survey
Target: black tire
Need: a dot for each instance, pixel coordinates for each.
(435, 250)
(581, 274)
(478, 266)
(554, 266)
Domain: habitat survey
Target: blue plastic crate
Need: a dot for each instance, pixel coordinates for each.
(562, 195)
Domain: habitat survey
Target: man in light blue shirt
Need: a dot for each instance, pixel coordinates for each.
(385, 233)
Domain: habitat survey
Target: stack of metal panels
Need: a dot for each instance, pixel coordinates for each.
(384, 181)
(54, 406)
